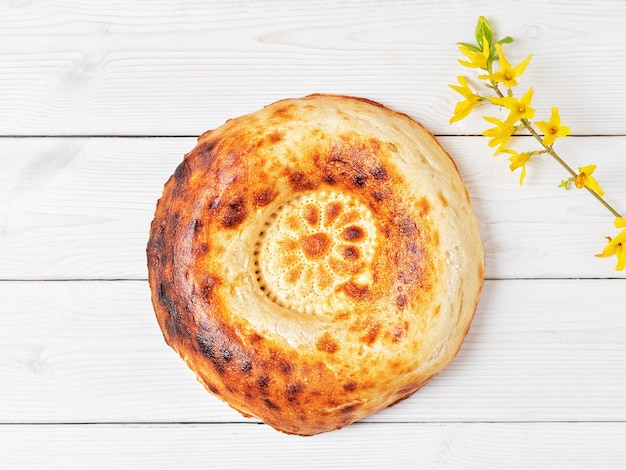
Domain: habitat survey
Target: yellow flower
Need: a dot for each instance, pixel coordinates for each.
(500, 134)
(507, 74)
(463, 108)
(584, 179)
(519, 160)
(518, 108)
(617, 245)
(477, 60)
(553, 128)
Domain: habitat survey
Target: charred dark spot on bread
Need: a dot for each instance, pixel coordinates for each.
(286, 367)
(175, 325)
(350, 386)
(182, 172)
(356, 291)
(327, 344)
(353, 233)
(372, 334)
(331, 212)
(353, 160)
(378, 196)
(360, 179)
(246, 366)
(207, 286)
(293, 390)
(351, 253)
(407, 227)
(349, 408)
(207, 348)
(270, 404)
(227, 355)
(311, 214)
(379, 172)
(235, 213)
(263, 382)
(275, 137)
(205, 150)
(255, 339)
(202, 248)
(264, 196)
(299, 181)
(398, 333)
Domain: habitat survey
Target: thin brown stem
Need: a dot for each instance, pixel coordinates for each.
(550, 151)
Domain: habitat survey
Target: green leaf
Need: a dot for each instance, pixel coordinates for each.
(471, 47)
(483, 29)
(506, 40)
(490, 60)
(493, 53)
(565, 184)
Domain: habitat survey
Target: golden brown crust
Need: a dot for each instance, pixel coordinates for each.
(315, 262)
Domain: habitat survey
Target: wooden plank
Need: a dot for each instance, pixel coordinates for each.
(80, 208)
(91, 352)
(86, 380)
(463, 446)
(175, 68)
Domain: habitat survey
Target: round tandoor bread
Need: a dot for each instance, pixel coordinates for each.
(316, 261)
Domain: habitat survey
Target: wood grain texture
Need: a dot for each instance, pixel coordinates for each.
(172, 68)
(451, 446)
(80, 208)
(538, 350)
(86, 380)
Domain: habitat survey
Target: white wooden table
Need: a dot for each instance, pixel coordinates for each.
(100, 100)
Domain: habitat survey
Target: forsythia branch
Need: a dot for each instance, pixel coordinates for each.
(482, 55)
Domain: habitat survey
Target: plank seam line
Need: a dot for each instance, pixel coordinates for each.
(135, 279)
(258, 423)
(97, 136)
(187, 136)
